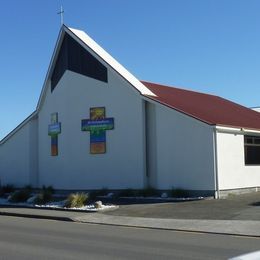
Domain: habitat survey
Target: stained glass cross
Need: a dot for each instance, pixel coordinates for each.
(97, 126)
(53, 131)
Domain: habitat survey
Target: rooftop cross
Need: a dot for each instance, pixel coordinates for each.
(97, 126)
(61, 12)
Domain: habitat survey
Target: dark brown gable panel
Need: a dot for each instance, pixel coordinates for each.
(82, 62)
(61, 64)
(74, 57)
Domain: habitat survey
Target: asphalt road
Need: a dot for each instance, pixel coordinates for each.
(22, 238)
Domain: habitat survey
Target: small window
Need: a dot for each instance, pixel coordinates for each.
(252, 150)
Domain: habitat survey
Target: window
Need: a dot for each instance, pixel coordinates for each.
(72, 56)
(252, 150)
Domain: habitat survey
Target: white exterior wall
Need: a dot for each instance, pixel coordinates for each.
(182, 151)
(122, 166)
(18, 157)
(232, 171)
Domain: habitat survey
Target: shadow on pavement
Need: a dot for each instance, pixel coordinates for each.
(255, 204)
(134, 201)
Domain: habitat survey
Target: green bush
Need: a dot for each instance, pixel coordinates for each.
(6, 189)
(20, 196)
(179, 193)
(44, 196)
(148, 192)
(103, 192)
(76, 200)
(128, 193)
(28, 187)
(48, 189)
(96, 193)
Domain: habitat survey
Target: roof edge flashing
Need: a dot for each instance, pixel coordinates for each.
(236, 130)
(88, 41)
(19, 126)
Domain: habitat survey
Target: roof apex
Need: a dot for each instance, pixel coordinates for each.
(97, 49)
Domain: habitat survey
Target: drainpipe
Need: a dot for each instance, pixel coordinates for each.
(215, 163)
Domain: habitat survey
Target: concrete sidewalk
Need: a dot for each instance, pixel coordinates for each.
(231, 227)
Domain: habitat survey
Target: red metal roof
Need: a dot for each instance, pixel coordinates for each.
(210, 109)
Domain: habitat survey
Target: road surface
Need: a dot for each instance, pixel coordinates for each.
(22, 238)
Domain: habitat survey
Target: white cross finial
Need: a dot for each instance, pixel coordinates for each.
(61, 15)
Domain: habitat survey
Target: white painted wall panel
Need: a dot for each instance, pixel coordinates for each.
(232, 171)
(75, 168)
(184, 151)
(18, 157)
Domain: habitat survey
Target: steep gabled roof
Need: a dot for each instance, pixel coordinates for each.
(105, 56)
(86, 42)
(209, 109)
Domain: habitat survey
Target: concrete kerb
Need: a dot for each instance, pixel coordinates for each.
(23, 215)
(40, 213)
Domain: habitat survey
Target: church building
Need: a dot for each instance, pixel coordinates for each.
(96, 126)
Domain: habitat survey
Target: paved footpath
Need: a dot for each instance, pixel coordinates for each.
(232, 227)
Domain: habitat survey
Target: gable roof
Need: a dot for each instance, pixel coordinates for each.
(105, 56)
(210, 109)
(86, 42)
(89, 44)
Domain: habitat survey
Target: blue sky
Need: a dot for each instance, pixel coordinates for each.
(210, 46)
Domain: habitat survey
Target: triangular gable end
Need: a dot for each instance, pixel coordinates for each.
(110, 61)
(80, 42)
(72, 56)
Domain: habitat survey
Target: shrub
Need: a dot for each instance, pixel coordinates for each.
(148, 192)
(128, 193)
(49, 189)
(28, 187)
(96, 193)
(20, 196)
(76, 200)
(103, 192)
(44, 196)
(6, 189)
(179, 193)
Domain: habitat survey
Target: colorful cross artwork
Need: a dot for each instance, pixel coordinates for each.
(53, 131)
(97, 126)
